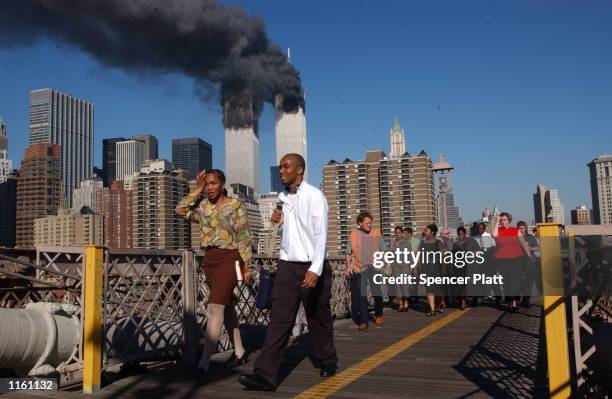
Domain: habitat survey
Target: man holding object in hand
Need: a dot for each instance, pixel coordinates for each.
(302, 276)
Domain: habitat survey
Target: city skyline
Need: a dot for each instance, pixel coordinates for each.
(515, 115)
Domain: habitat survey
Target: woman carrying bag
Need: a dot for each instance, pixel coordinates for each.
(226, 240)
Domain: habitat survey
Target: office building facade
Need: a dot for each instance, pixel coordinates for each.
(192, 155)
(6, 165)
(39, 187)
(109, 159)
(8, 211)
(130, 157)
(59, 118)
(86, 194)
(151, 146)
(581, 215)
(290, 131)
(600, 171)
(69, 228)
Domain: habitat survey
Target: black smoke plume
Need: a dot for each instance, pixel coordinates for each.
(202, 39)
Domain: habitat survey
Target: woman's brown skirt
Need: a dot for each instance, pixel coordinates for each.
(220, 272)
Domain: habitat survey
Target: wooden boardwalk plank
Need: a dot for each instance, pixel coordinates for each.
(484, 353)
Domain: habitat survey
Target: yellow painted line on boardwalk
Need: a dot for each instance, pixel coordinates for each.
(334, 384)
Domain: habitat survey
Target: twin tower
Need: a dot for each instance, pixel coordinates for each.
(242, 141)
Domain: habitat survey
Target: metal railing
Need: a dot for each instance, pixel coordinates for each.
(133, 305)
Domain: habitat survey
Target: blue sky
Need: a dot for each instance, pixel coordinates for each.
(514, 93)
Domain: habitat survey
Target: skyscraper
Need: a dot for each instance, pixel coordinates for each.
(130, 156)
(38, 189)
(58, 118)
(109, 159)
(398, 145)
(555, 212)
(290, 130)
(539, 207)
(600, 170)
(241, 141)
(86, 194)
(267, 204)
(247, 196)
(150, 145)
(192, 155)
(447, 212)
(6, 166)
(155, 224)
(581, 215)
(8, 211)
(397, 192)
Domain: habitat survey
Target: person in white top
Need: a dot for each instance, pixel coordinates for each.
(302, 276)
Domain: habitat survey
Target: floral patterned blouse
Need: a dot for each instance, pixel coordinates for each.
(227, 228)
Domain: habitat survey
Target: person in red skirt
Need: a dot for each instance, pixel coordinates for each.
(226, 240)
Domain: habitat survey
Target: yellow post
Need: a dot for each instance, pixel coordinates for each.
(92, 318)
(557, 352)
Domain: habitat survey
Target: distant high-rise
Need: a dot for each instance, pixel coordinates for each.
(150, 145)
(6, 166)
(398, 144)
(600, 170)
(155, 224)
(115, 204)
(547, 207)
(447, 212)
(241, 142)
(275, 182)
(581, 215)
(130, 156)
(86, 193)
(69, 228)
(539, 207)
(290, 131)
(109, 159)
(39, 188)
(8, 211)
(247, 196)
(58, 118)
(397, 192)
(267, 204)
(555, 212)
(192, 155)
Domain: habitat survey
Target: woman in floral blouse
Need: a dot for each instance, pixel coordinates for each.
(225, 237)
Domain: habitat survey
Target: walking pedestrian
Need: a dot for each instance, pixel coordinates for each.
(433, 251)
(303, 276)
(510, 250)
(226, 241)
(363, 243)
(398, 269)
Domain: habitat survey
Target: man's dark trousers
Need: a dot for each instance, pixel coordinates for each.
(287, 294)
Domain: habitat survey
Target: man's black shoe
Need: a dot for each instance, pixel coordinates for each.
(255, 382)
(328, 370)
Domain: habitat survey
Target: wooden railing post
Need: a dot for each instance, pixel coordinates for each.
(557, 352)
(93, 281)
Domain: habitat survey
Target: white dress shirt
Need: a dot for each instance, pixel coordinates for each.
(304, 228)
(485, 241)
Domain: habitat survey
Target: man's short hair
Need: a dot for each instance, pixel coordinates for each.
(521, 224)
(363, 215)
(506, 214)
(408, 230)
(299, 160)
(484, 226)
(400, 228)
(461, 228)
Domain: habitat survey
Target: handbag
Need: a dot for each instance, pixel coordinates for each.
(263, 300)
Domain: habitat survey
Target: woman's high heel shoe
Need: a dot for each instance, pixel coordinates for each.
(234, 361)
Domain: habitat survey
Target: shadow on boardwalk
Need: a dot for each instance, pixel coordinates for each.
(509, 359)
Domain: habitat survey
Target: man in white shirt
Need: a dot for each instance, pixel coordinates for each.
(302, 276)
